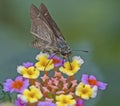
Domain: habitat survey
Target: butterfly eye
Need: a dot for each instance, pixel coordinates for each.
(63, 54)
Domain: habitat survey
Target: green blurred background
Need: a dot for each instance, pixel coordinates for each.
(92, 25)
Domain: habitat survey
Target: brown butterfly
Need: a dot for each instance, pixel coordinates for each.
(48, 36)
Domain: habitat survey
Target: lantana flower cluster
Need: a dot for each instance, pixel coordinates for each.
(35, 87)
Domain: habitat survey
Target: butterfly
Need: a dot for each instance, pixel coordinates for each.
(48, 36)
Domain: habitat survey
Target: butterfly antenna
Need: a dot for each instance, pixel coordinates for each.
(81, 51)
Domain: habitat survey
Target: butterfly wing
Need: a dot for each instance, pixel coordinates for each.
(44, 36)
(61, 43)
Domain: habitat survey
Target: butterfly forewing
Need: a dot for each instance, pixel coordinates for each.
(42, 32)
(44, 11)
(47, 34)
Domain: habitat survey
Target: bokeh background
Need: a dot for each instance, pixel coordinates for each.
(92, 25)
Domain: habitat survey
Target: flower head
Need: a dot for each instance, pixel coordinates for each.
(85, 91)
(28, 72)
(38, 57)
(70, 68)
(44, 63)
(65, 100)
(21, 101)
(80, 102)
(91, 80)
(27, 64)
(33, 94)
(18, 85)
(57, 61)
(46, 103)
(56, 85)
(57, 90)
(78, 59)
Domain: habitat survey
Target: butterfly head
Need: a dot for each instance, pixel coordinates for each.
(65, 52)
